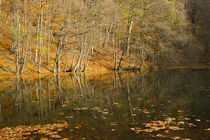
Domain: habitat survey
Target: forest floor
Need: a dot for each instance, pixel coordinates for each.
(100, 62)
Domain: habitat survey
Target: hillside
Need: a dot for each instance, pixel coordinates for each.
(101, 61)
(47, 36)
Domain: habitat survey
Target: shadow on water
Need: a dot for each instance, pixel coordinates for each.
(166, 104)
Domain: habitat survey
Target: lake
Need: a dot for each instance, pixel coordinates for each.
(120, 106)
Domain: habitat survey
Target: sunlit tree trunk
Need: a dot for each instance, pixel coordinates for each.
(126, 45)
(40, 39)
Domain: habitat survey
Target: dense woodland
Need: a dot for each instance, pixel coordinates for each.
(64, 35)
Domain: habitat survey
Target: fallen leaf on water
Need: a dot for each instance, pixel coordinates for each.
(139, 99)
(113, 123)
(133, 129)
(180, 123)
(105, 113)
(180, 111)
(173, 127)
(148, 130)
(71, 130)
(64, 105)
(187, 119)
(61, 113)
(27, 133)
(22, 132)
(197, 120)
(60, 129)
(139, 130)
(70, 117)
(133, 115)
(117, 104)
(208, 129)
(170, 119)
(166, 131)
(55, 136)
(176, 138)
(77, 127)
(190, 124)
(132, 123)
(160, 135)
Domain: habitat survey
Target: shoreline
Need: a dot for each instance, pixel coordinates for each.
(107, 71)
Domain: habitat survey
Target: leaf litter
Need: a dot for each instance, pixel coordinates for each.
(24, 132)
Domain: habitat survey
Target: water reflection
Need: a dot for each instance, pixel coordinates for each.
(115, 105)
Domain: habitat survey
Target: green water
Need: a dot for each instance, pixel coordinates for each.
(122, 106)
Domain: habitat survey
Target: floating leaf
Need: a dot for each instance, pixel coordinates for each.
(197, 120)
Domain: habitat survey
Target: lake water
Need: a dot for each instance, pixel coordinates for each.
(120, 106)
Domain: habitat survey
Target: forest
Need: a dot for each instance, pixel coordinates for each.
(105, 69)
(41, 36)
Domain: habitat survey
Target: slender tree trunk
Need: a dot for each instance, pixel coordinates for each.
(18, 45)
(29, 36)
(40, 39)
(37, 37)
(76, 68)
(107, 34)
(49, 34)
(72, 63)
(0, 9)
(66, 63)
(115, 48)
(142, 60)
(86, 59)
(57, 61)
(156, 52)
(24, 45)
(127, 41)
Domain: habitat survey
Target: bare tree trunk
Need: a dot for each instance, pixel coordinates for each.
(127, 41)
(86, 59)
(0, 7)
(142, 60)
(156, 52)
(57, 61)
(37, 37)
(72, 63)
(66, 63)
(76, 68)
(24, 45)
(29, 36)
(107, 34)
(115, 48)
(49, 33)
(40, 40)
(137, 59)
(23, 62)
(18, 45)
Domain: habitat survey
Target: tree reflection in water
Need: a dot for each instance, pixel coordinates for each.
(116, 104)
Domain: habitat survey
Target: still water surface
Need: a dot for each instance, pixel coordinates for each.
(160, 105)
